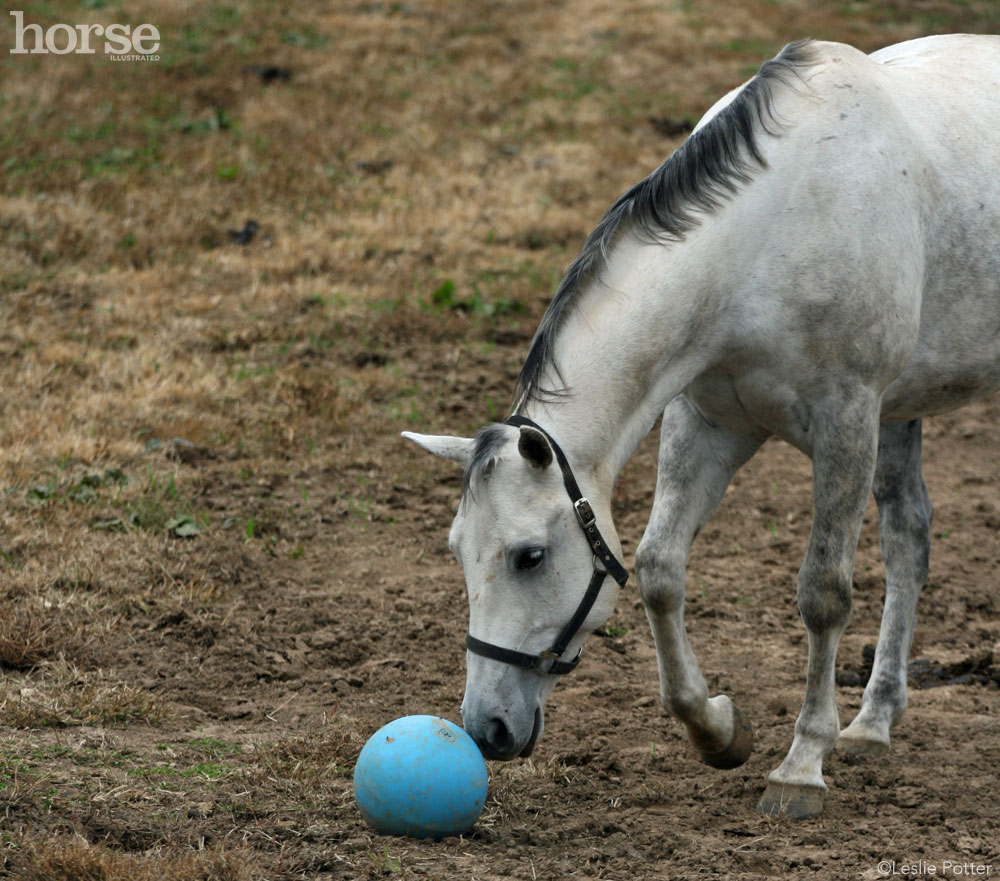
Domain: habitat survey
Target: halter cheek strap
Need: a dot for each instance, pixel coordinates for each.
(605, 562)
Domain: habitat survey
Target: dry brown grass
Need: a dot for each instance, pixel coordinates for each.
(61, 695)
(304, 760)
(26, 637)
(73, 858)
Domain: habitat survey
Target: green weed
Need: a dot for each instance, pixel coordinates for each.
(479, 302)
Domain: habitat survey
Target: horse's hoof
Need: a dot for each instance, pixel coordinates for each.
(739, 748)
(862, 746)
(793, 800)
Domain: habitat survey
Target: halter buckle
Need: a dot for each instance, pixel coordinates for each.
(546, 661)
(549, 659)
(584, 512)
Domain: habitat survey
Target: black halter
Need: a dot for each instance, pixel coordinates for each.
(604, 562)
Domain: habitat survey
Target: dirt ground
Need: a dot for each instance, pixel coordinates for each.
(222, 569)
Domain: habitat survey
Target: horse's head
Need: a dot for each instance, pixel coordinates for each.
(527, 564)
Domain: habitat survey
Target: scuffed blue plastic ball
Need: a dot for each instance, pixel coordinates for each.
(421, 776)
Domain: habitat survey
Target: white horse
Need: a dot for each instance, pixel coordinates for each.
(820, 261)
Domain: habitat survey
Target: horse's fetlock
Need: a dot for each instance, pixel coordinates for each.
(685, 703)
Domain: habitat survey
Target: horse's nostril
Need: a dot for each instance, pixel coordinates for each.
(495, 736)
(498, 737)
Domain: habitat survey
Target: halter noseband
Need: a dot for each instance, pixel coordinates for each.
(604, 562)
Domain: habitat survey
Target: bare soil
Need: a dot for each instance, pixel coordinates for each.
(290, 671)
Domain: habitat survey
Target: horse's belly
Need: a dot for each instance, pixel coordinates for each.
(925, 389)
(957, 354)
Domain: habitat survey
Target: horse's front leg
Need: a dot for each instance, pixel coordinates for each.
(697, 460)
(843, 452)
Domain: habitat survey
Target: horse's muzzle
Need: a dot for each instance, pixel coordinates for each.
(497, 739)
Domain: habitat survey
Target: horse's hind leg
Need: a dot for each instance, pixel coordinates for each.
(845, 439)
(904, 527)
(697, 461)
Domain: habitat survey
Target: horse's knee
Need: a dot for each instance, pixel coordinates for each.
(660, 574)
(928, 505)
(905, 533)
(824, 595)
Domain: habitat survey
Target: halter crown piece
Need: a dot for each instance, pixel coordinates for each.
(604, 562)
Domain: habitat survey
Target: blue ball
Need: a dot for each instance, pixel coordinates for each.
(421, 776)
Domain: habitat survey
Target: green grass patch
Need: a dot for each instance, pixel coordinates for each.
(483, 299)
(153, 504)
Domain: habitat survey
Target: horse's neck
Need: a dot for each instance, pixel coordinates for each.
(641, 331)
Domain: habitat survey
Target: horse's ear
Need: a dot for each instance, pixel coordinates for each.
(534, 447)
(458, 449)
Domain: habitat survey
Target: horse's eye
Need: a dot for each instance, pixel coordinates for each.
(529, 559)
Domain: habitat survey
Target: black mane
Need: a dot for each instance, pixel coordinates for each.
(704, 172)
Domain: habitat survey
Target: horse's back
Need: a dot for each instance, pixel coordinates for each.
(949, 89)
(960, 54)
(938, 85)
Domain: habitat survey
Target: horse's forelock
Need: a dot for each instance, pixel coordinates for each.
(489, 439)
